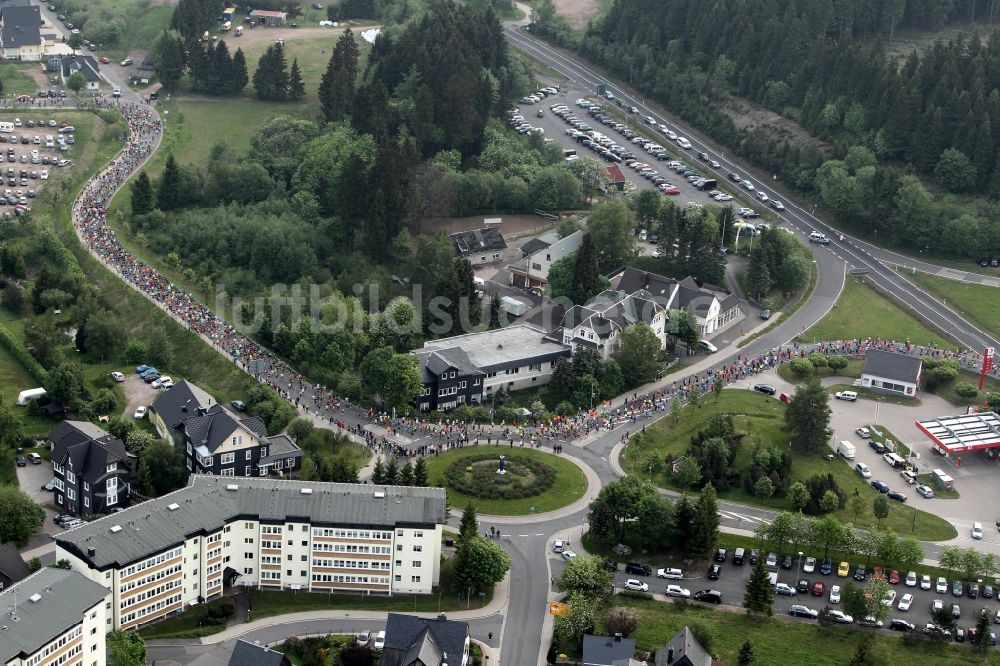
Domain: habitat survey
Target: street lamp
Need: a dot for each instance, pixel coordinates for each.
(800, 564)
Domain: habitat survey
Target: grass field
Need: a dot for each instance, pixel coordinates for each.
(17, 80)
(763, 416)
(976, 302)
(777, 642)
(862, 312)
(570, 484)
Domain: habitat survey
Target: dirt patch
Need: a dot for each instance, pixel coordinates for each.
(269, 35)
(749, 116)
(137, 392)
(513, 226)
(578, 12)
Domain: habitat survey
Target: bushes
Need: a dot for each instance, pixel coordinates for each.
(524, 478)
(801, 367)
(836, 362)
(966, 390)
(26, 360)
(218, 612)
(818, 360)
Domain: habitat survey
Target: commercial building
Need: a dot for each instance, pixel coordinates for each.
(954, 435)
(467, 369)
(479, 246)
(269, 18)
(54, 616)
(159, 557)
(533, 269)
(891, 372)
(92, 469)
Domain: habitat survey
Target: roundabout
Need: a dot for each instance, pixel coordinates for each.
(532, 482)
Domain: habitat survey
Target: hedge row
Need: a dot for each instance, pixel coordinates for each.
(525, 477)
(26, 360)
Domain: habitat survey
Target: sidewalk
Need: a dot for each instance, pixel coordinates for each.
(501, 594)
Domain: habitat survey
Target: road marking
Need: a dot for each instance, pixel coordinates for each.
(539, 534)
(523, 535)
(604, 459)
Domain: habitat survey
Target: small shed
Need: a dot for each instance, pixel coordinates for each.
(616, 178)
(942, 480)
(269, 18)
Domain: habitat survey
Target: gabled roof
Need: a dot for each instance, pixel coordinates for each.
(181, 401)
(12, 565)
(606, 650)
(248, 654)
(631, 280)
(49, 602)
(85, 449)
(409, 638)
(533, 246)
(21, 26)
(434, 362)
(212, 429)
(683, 650)
(613, 311)
(615, 174)
(891, 365)
(267, 12)
(477, 240)
(209, 502)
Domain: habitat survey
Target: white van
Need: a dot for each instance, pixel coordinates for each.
(708, 346)
(479, 284)
(24, 397)
(6, 127)
(683, 143)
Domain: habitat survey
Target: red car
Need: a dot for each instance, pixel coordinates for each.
(879, 573)
(894, 578)
(671, 191)
(819, 589)
(105, 60)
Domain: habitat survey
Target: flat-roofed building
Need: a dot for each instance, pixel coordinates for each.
(185, 547)
(54, 616)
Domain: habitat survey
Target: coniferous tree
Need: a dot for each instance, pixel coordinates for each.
(469, 526)
(296, 89)
(392, 472)
(378, 473)
(420, 473)
(405, 474)
(336, 88)
(168, 194)
(759, 595)
(746, 653)
(238, 75)
(270, 79)
(142, 194)
(170, 60)
(586, 272)
(809, 417)
(705, 524)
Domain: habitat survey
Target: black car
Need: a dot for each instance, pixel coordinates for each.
(755, 553)
(720, 555)
(21, 461)
(880, 486)
(877, 446)
(765, 388)
(987, 592)
(896, 495)
(827, 567)
(896, 624)
(973, 591)
(714, 571)
(802, 586)
(239, 405)
(765, 314)
(638, 569)
(860, 573)
(708, 596)
(610, 565)
(787, 562)
(735, 177)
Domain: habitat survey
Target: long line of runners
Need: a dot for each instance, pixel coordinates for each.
(399, 435)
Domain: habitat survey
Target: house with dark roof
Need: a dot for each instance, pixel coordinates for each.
(615, 177)
(608, 651)
(12, 565)
(87, 66)
(683, 650)
(20, 32)
(216, 442)
(91, 469)
(467, 369)
(533, 269)
(479, 246)
(599, 323)
(249, 654)
(420, 641)
(177, 403)
(891, 372)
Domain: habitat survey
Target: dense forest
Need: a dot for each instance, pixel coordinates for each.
(935, 115)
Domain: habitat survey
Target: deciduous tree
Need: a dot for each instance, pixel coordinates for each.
(20, 516)
(480, 563)
(125, 648)
(585, 575)
(808, 417)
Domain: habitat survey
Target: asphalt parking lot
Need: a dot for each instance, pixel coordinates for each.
(30, 479)
(29, 156)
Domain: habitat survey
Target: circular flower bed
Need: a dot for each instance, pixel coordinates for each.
(476, 476)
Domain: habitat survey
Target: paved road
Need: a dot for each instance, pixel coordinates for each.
(854, 253)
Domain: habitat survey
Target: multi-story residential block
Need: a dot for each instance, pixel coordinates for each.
(91, 469)
(54, 617)
(184, 548)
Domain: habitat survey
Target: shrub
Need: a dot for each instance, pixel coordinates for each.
(23, 357)
(818, 360)
(966, 390)
(836, 362)
(476, 476)
(801, 367)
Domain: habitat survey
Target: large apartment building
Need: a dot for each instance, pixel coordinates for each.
(53, 617)
(161, 556)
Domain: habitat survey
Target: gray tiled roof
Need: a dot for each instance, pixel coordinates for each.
(605, 650)
(434, 362)
(21, 26)
(280, 447)
(685, 650)
(631, 280)
(85, 448)
(63, 598)
(181, 401)
(248, 654)
(533, 246)
(12, 566)
(408, 638)
(890, 365)
(206, 504)
(213, 429)
(477, 240)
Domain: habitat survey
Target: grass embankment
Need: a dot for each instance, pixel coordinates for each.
(569, 486)
(975, 302)
(273, 603)
(779, 642)
(763, 417)
(862, 312)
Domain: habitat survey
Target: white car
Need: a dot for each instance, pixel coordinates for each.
(559, 545)
(977, 530)
(140, 412)
(810, 565)
(905, 602)
(941, 587)
(118, 377)
(568, 555)
(925, 582)
(841, 617)
(677, 591)
(169, 384)
(835, 594)
(157, 383)
(911, 579)
(379, 640)
(633, 584)
(890, 598)
(44, 175)
(862, 432)
(672, 574)
(723, 197)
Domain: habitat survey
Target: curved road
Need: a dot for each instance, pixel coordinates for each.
(857, 254)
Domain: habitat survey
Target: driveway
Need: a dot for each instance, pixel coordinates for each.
(31, 478)
(137, 392)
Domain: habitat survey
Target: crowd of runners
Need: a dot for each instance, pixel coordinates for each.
(388, 433)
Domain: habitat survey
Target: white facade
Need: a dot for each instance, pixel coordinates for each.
(899, 387)
(605, 342)
(519, 377)
(536, 267)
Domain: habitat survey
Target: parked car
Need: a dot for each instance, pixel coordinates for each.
(810, 565)
(672, 574)
(896, 624)
(708, 596)
(21, 461)
(896, 495)
(784, 589)
(843, 569)
(819, 589)
(765, 388)
(714, 571)
(841, 617)
(862, 432)
(860, 573)
(140, 412)
(925, 491)
(632, 584)
(677, 591)
(802, 586)
(568, 555)
(798, 610)
(880, 486)
(835, 594)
